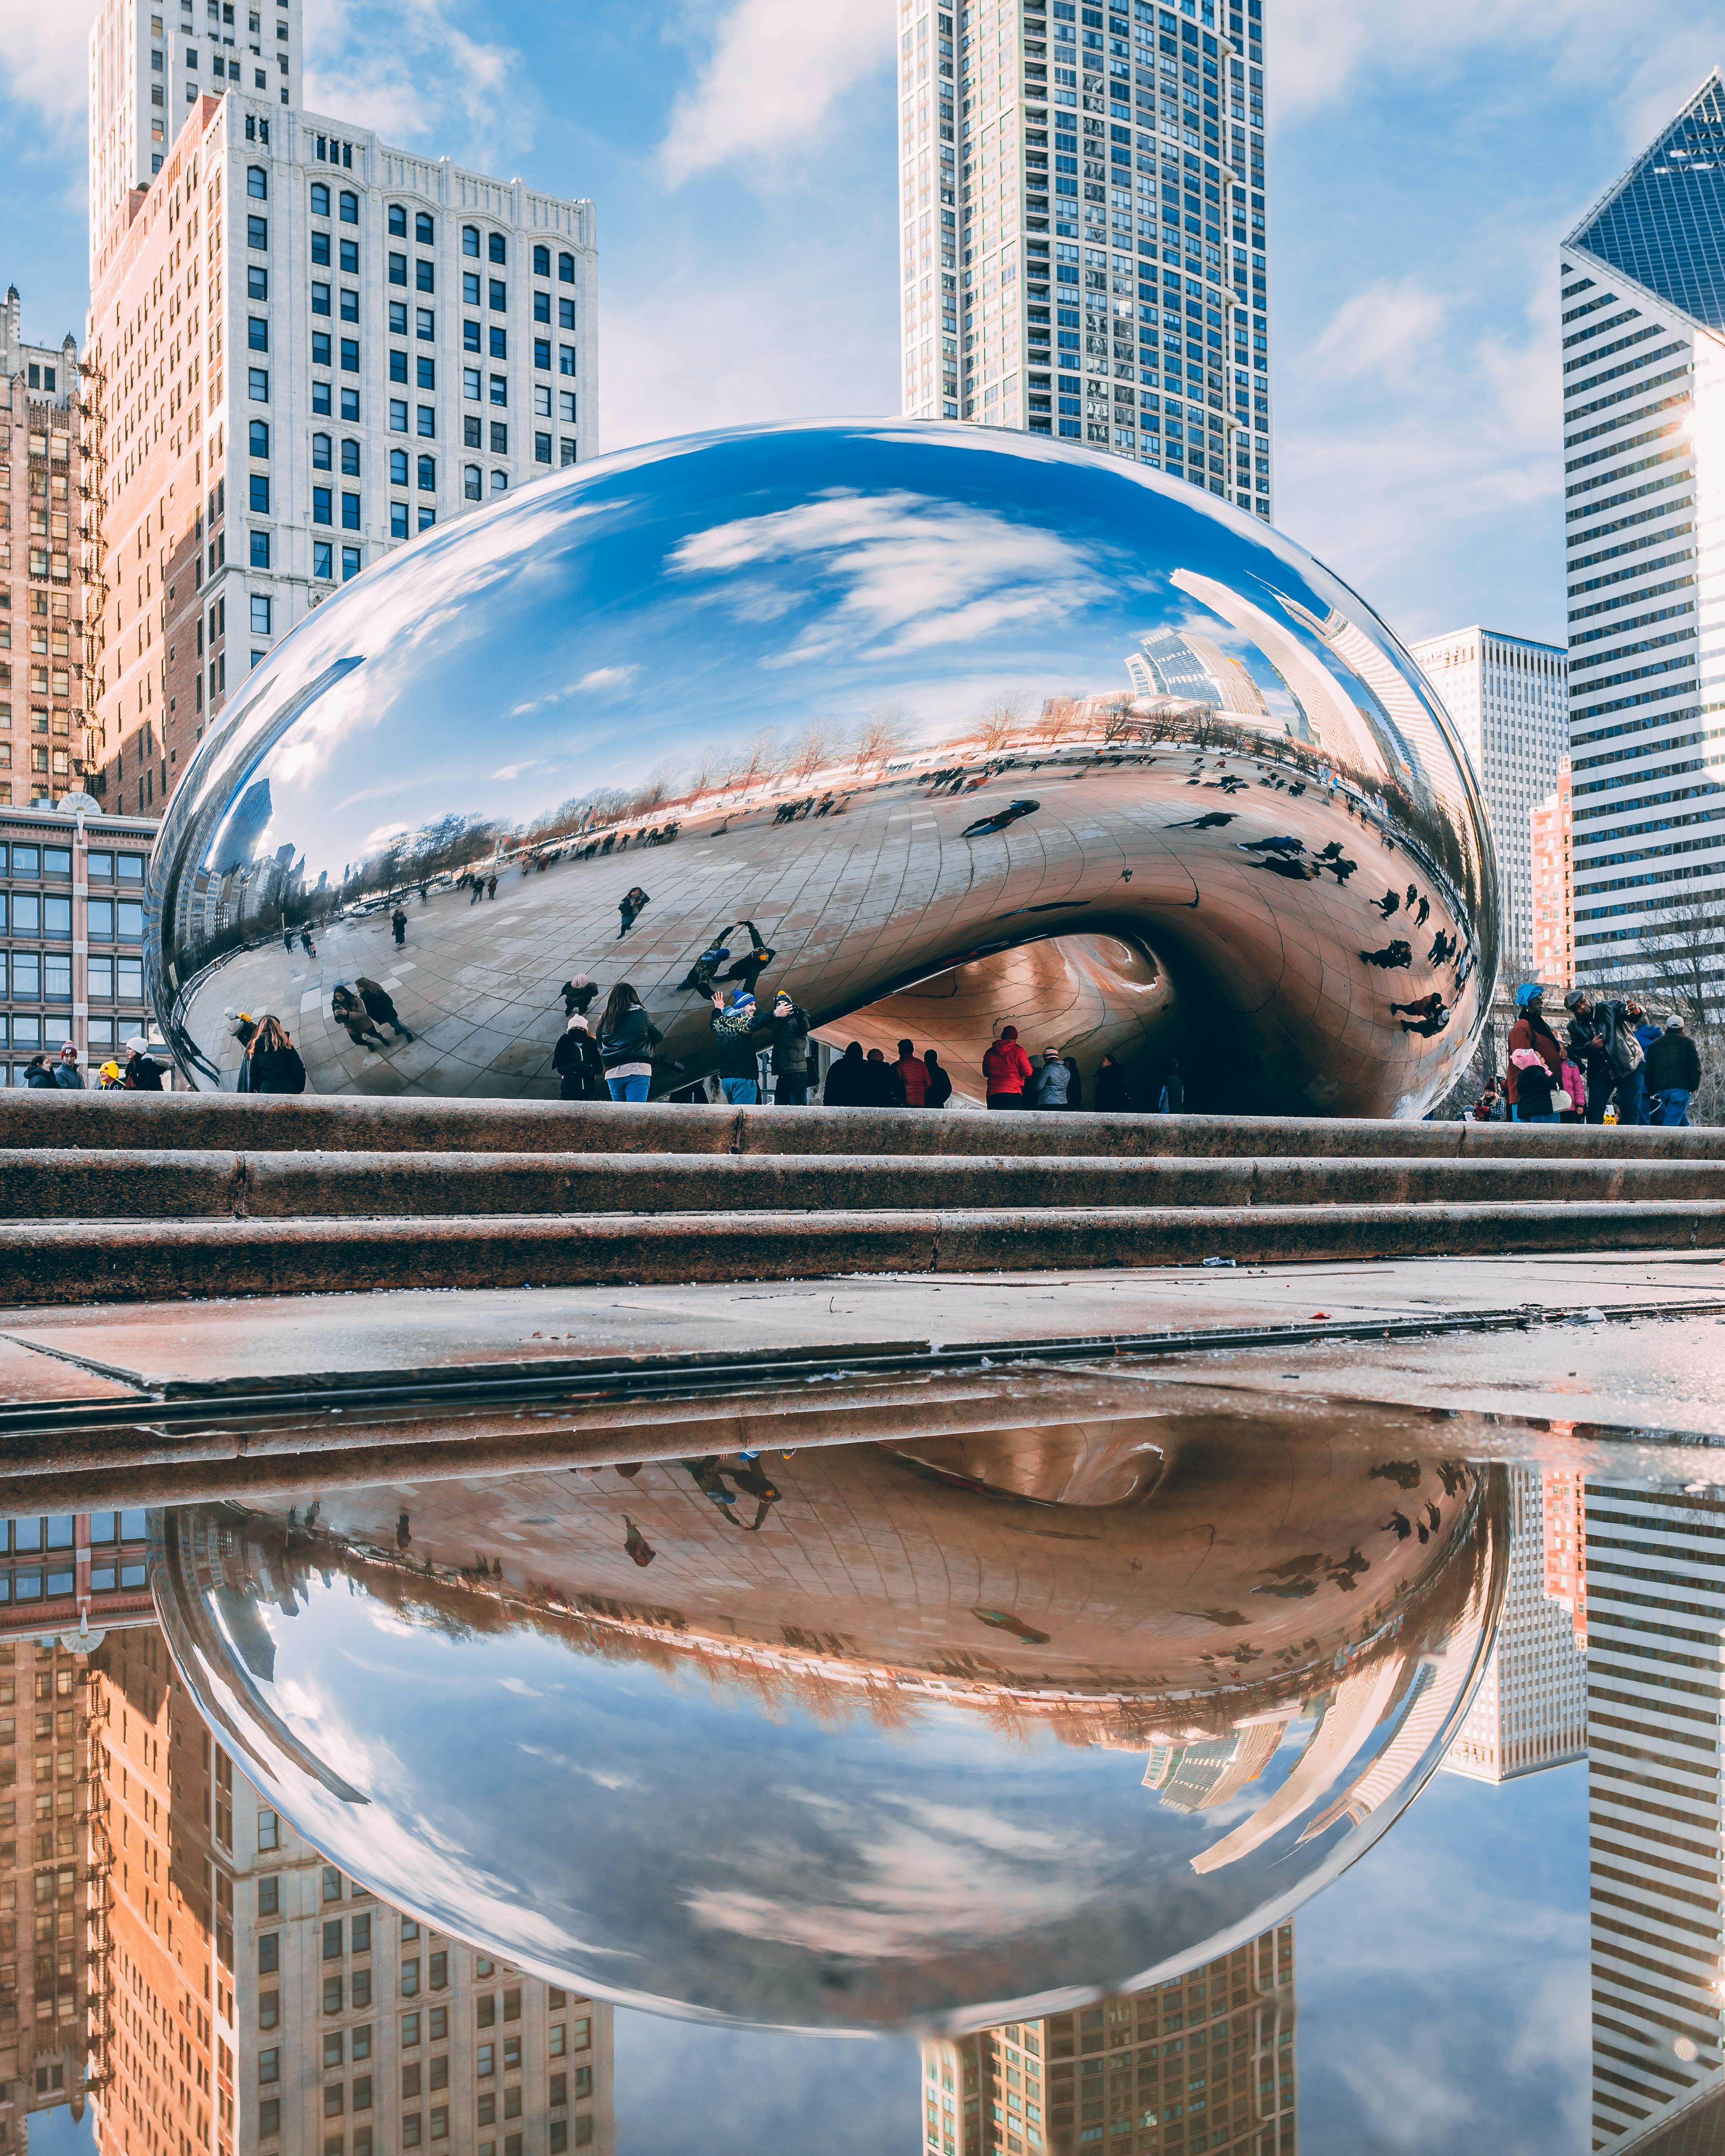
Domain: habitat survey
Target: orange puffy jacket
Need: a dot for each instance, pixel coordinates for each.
(1006, 1068)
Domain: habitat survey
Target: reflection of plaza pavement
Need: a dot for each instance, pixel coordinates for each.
(857, 905)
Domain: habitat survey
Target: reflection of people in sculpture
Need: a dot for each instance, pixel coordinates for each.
(1389, 903)
(380, 1005)
(399, 922)
(1429, 1014)
(577, 993)
(1280, 845)
(1392, 955)
(986, 826)
(630, 906)
(351, 1014)
(1213, 822)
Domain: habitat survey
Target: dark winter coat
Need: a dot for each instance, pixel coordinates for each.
(576, 1060)
(1673, 1064)
(276, 1070)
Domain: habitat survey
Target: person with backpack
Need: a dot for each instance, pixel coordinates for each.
(1625, 1058)
(578, 1064)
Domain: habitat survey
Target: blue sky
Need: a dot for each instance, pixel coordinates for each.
(1423, 163)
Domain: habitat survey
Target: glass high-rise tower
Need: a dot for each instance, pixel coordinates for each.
(1644, 444)
(1083, 227)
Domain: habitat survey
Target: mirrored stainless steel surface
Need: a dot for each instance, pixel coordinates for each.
(863, 1737)
(881, 702)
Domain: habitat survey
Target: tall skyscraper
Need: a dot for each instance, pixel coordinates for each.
(304, 348)
(1551, 843)
(1507, 696)
(1644, 394)
(1656, 1594)
(1530, 1709)
(1210, 2055)
(45, 564)
(149, 61)
(1083, 227)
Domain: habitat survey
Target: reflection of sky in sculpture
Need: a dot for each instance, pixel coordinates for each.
(636, 621)
(642, 1804)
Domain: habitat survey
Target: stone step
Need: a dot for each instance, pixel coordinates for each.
(236, 1123)
(414, 1187)
(123, 1260)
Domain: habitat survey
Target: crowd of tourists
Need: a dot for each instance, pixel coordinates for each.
(1605, 1060)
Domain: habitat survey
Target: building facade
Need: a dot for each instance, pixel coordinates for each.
(46, 558)
(1643, 363)
(1550, 844)
(305, 349)
(1083, 229)
(1507, 697)
(72, 887)
(1530, 1711)
(148, 60)
(1202, 2061)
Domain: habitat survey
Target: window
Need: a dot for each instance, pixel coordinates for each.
(257, 384)
(268, 1948)
(471, 338)
(259, 494)
(541, 306)
(472, 483)
(260, 550)
(322, 512)
(565, 314)
(500, 482)
(321, 397)
(565, 407)
(349, 405)
(350, 304)
(497, 342)
(350, 257)
(257, 282)
(470, 383)
(260, 627)
(320, 347)
(495, 250)
(541, 352)
(397, 269)
(541, 262)
(470, 239)
(332, 1993)
(320, 299)
(319, 199)
(566, 268)
(499, 439)
(323, 561)
(257, 333)
(258, 436)
(350, 512)
(500, 391)
(499, 296)
(350, 209)
(397, 318)
(398, 467)
(269, 2068)
(567, 451)
(542, 448)
(425, 324)
(428, 420)
(566, 359)
(257, 182)
(424, 370)
(257, 233)
(397, 415)
(320, 447)
(470, 288)
(425, 232)
(398, 525)
(425, 275)
(350, 458)
(397, 221)
(350, 355)
(427, 474)
(397, 366)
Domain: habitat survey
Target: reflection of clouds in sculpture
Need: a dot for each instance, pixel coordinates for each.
(914, 572)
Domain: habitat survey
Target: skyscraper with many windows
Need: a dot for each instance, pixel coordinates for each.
(1507, 696)
(1644, 421)
(1083, 224)
(304, 347)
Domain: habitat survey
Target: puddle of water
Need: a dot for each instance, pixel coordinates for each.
(1071, 1765)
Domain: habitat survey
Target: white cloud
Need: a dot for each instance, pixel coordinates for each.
(406, 68)
(42, 60)
(605, 678)
(777, 70)
(1380, 331)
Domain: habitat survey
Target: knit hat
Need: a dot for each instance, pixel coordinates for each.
(137, 1045)
(743, 999)
(1527, 1058)
(1526, 993)
(576, 1024)
(1575, 998)
(1009, 1033)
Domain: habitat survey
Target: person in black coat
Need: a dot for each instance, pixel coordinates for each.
(578, 1062)
(940, 1081)
(273, 1062)
(847, 1086)
(1114, 1097)
(143, 1073)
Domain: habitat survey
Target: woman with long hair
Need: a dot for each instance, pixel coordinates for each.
(626, 1044)
(274, 1062)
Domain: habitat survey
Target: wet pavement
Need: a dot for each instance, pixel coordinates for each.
(1244, 1747)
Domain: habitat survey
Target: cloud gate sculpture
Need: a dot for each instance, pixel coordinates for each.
(870, 1737)
(939, 720)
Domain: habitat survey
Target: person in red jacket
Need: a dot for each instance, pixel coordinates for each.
(1007, 1071)
(913, 1075)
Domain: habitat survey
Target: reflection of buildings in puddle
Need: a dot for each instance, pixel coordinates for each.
(1656, 1608)
(836, 1651)
(1204, 2063)
(248, 1996)
(1530, 1712)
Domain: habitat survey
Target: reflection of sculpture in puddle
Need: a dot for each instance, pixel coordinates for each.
(1284, 1647)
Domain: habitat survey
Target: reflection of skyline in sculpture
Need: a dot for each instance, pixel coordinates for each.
(1655, 1903)
(1530, 1712)
(1213, 2057)
(801, 1604)
(807, 667)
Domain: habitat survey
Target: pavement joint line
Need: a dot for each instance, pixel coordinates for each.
(628, 1381)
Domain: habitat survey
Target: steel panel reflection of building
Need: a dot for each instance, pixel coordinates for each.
(895, 699)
